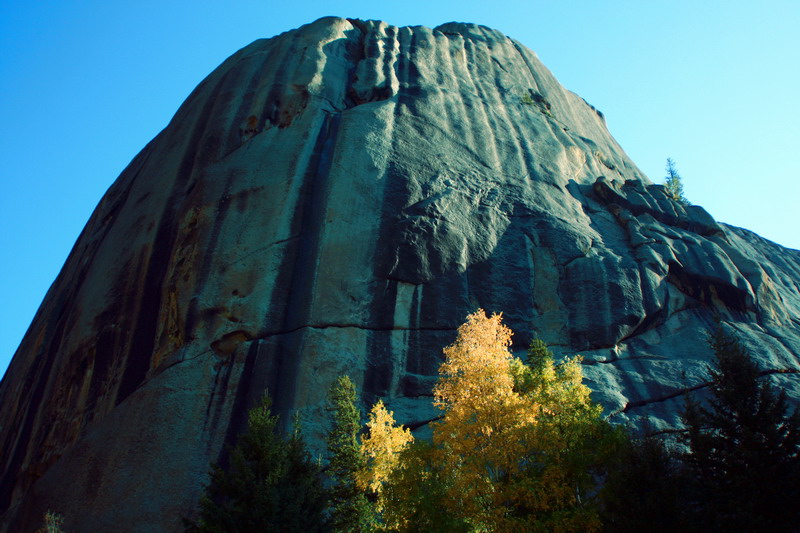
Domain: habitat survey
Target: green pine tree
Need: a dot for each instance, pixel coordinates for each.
(674, 183)
(645, 489)
(744, 446)
(271, 484)
(351, 512)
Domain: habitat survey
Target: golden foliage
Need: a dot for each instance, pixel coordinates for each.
(514, 436)
(381, 448)
(476, 437)
(517, 448)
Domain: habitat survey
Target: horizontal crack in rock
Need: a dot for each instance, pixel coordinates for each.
(345, 326)
(680, 392)
(242, 337)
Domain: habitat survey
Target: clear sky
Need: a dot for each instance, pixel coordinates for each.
(85, 85)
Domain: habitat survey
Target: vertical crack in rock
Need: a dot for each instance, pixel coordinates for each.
(300, 263)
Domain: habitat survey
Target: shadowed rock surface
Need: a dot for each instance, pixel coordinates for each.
(335, 200)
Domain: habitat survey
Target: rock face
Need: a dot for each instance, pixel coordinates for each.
(335, 200)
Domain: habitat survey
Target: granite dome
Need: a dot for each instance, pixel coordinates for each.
(335, 200)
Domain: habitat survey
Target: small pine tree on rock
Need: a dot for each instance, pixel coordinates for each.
(674, 183)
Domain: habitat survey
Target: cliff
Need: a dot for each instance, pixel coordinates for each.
(335, 200)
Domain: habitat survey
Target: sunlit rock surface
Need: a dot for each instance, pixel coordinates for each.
(335, 200)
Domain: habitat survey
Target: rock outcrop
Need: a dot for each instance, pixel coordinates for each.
(335, 200)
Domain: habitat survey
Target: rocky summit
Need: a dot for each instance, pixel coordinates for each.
(335, 200)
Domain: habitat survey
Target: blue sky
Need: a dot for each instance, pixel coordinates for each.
(85, 85)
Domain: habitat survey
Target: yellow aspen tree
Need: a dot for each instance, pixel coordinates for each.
(476, 436)
(520, 445)
(381, 448)
(520, 442)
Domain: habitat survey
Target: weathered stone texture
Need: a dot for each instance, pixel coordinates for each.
(335, 200)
